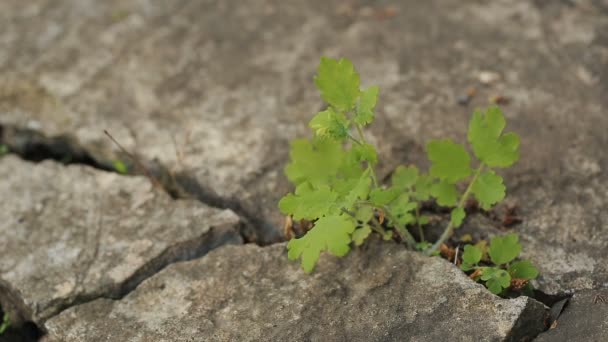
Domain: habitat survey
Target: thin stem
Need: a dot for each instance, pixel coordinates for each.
(450, 228)
(404, 234)
(420, 231)
(377, 227)
(402, 231)
(363, 141)
(351, 138)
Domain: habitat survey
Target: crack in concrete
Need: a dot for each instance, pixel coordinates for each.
(35, 146)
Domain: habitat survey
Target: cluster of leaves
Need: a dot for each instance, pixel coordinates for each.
(336, 185)
(504, 274)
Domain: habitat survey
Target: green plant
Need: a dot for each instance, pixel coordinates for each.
(504, 273)
(120, 167)
(3, 149)
(336, 186)
(4, 324)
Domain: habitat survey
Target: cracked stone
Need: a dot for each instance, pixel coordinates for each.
(217, 89)
(249, 293)
(73, 234)
(585, 318)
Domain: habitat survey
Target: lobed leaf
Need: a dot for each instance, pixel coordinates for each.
(445, 193)
(489, 145)
(381, 197)
(496, 279)
(308, 202)
(360, 234)
(330, 233)
(330, 123)
(314, 161)
(488, 189)
(404, 177)
(523, 270)
(338, 83)
(471, 255)
(365, 152)
(504, 249)
(365, 110)
(457, 217)
(450, 161)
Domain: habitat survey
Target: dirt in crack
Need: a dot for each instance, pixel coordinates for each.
(35, 146)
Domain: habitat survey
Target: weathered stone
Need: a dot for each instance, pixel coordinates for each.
(248, 293)
(73, 234)
(584, 319)
(232, 82)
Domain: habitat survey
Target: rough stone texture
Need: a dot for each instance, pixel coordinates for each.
(381, 293)
(228, 83)
(73, 234)
(584, 319)
(232, 82)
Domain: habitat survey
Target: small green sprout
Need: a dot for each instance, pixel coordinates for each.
(500, 277)
(120, 167)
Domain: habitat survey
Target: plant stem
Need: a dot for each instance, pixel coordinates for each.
(362, 140)
(450, 228)
(378, 227)
(353, 139)
(402, 231)
(420, 231)
(404, 234)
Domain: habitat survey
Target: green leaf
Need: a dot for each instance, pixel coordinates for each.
(315, 162)
(330, 233)
(450, 161)
(308, 203)
(380, 197)
(489, 145)
(496, 279)
(488, 189)
(120, 167)
(471, 255)
(359, 191)
(504, 249)
(402, 209)
(388, 235)
(365, 152)
(364, 214)
(329, 123)
(3, 149)
(446, 193)
(423, 245)
(404, 177)
(423, 186)
(360, 234)
(365, 110)
(457, 217)
(423, 219)
(523, 270)
(338, 83)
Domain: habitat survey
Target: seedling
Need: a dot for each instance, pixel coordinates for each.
(504, 274)
(336, 186)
